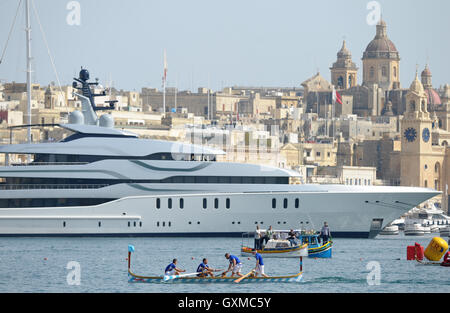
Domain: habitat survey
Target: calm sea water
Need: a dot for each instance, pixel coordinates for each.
(39, 265)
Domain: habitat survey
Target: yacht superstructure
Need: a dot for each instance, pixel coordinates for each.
(102, 181)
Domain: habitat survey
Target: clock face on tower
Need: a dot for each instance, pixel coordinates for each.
(426, 134)
(410, 134)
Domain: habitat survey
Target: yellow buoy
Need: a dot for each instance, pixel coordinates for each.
(436, 249)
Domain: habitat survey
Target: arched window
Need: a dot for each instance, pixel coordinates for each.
(424, 106)
(437, 168)
(395, 71)
(340, 82)
(445, 143)
(371, 72)
(412, 106)
(384, 71)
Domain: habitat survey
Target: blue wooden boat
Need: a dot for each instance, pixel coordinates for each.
(315, 248)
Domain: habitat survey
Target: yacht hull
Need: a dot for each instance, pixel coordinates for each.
(349, 213)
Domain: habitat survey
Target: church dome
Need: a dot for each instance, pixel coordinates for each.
(381, 46)
(426, 71)
(344, 52)
(416, 86)
(433, 97)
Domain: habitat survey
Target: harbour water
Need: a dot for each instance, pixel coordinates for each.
(358, 265)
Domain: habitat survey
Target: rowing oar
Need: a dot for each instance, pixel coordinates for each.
(237, 281)
(169, 277)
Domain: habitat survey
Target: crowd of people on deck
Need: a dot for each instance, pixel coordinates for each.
(262, 237)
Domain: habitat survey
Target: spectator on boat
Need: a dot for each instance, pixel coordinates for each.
(259, 268)
(291, 238)
(172, 268)
(235, 265)
(258, 238)
(204, 270)
(325, 233)
(268, 236)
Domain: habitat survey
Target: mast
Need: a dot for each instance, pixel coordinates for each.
(28, 36)
(164, 84)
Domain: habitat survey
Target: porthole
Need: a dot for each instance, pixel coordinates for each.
(198, 223)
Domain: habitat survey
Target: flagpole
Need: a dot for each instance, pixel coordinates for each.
(164, 84)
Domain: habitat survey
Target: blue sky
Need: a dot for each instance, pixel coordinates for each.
(220, 43)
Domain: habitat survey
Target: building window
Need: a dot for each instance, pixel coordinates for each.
(274, 203)
(395, 71)
(318, 154)
(384, 71)
(426, 183)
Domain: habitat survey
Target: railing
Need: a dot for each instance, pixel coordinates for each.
(49, 163)
(50, 186)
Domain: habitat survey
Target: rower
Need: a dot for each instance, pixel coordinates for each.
(172, 269)
(259, 268)
(235, 265)
(204, 270)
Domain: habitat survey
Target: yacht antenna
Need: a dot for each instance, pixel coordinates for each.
(28, 37)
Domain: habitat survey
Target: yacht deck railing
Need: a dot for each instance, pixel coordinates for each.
(50, 186)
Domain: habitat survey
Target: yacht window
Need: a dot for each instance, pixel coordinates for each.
(164, 224)
(129, 224)
(158, 203)
(157, 224)
(204, 203)
(181, 203)
(285, 203)
(64, 224)
(170, 224)
(99, 224)
(297, 203)
(227, 203)
(134, 224)
(169, 203)
(216, 203)
(274, 203)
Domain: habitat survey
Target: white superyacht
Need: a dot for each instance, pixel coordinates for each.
(102, 181)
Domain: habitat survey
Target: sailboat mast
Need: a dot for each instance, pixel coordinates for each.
(28, 36)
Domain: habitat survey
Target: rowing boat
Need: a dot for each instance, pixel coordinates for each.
(134, 278)
(278, 251)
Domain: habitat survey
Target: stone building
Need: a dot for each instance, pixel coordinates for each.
(423, 164)
(344, 71)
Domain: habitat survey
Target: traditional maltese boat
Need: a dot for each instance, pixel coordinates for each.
(184, 278)
(278, 249)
